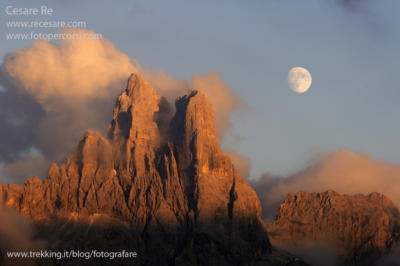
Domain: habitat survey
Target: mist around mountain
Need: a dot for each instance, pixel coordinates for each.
(157, 184)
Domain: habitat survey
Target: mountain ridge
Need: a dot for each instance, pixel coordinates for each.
(161, 177)
(359, 229)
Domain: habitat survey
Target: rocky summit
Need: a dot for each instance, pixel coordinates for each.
(158, 184)
(359, 229)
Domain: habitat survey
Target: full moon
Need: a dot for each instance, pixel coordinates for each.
(299, 79)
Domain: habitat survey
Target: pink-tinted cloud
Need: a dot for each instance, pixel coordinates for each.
(344, 171)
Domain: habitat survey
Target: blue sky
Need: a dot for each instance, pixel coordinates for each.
(352, 53)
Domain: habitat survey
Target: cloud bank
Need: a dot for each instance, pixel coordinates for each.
(51, 93)
(343, 171)
(72, 82)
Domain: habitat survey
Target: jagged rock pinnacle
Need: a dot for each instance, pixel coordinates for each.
(171, 193)
(134, 111)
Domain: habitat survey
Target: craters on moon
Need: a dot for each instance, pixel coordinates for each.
(299, 79)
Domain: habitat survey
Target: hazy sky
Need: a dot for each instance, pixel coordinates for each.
(351, 48)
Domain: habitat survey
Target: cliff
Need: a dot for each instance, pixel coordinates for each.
(360, 228)
(158, 184)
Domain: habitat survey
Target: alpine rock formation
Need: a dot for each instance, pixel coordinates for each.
(358, 229)
(158, 184)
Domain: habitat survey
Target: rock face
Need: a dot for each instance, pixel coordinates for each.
(362, 228)
(157, 184)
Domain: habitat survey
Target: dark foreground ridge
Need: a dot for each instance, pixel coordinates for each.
(158, 184)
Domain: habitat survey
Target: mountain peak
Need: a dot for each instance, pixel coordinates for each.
(138, 88)
(173, 193)
(134, 110)
(194, 118)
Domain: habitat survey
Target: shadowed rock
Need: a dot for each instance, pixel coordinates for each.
(167, 192)
(360, 228)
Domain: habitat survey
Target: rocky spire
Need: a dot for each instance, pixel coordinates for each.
(134, 112)
(207, 172)
(134, 133)
(181, 193)
(193, 130)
